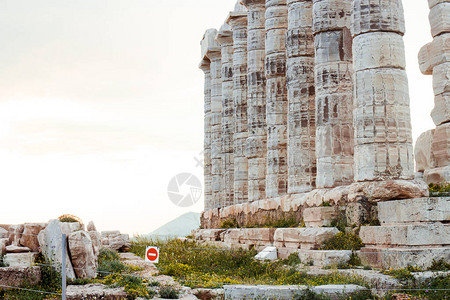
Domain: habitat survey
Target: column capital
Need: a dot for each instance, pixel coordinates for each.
(225, 35)
(210, 47)
(236, 18)
(205, 65)
(250, 3)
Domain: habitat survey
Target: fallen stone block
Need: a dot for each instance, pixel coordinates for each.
(414, 210)
(208, 234)
(269, 253)
(94, 291)
(337, 289)
(51, 243)
(324, 258)
(19, 276)
(29, 237)
(286, 291)
(17, 249)
(263, 291)
(319, 216)
(20, 259)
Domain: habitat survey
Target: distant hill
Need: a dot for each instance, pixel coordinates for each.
(179, 227)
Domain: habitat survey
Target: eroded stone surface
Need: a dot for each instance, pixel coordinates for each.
(94, 291)
(29, 237)
(50, 242)
(83, 256)
(20, 259)
(20, 276)
(414, 210)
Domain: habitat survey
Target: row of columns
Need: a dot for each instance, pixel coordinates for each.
(303, 94)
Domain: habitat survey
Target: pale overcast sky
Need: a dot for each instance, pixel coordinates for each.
(101, 104)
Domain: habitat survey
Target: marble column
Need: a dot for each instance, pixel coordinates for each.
(334, 92)
(434, 59)
(301, 97)
(383, 149)
(205, 66)
(212, 51)
(256, 148)
(238, 22)
(276, 98)
(225, 40)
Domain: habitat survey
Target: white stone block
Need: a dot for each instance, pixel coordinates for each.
(269, 253)
(414, 210)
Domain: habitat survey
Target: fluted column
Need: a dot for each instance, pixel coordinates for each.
(276, 98)
(212, 51)
(434, 59)
(238, 22)
(256, 148)
(383, 148)
(225, 39)
(334, 92)
(205, 66)
(301, 97)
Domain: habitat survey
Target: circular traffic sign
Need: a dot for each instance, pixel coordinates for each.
(152, 254)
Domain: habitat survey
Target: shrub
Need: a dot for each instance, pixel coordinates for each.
(169, 292)
(439, 265)
(340, 222)
(67, 218)
(230, 223)
(343, 241)
(292, 260)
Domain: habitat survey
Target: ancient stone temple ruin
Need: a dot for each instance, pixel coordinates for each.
(307, 117)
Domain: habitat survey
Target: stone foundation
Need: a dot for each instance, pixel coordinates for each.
(359, 198)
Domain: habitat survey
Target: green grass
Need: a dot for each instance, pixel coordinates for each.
(197, 265)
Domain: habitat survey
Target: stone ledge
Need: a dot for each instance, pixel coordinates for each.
(303, 238)
(323, 258)
(294, 205)
(414, 210)
(397, 258)
(282, 292)
(435, 234)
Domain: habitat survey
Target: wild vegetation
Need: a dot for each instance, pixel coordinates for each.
(439, 190)
(197, 265)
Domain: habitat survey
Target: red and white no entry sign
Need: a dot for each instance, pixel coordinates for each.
(152, 254)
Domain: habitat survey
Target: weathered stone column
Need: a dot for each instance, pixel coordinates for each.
(276, 98)
(383, 148)
(433, 147)
(256, 148)
(212, 51)
(225, 39)
(301, 97)
(334, 92)
(238, 22)
(205, 66)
